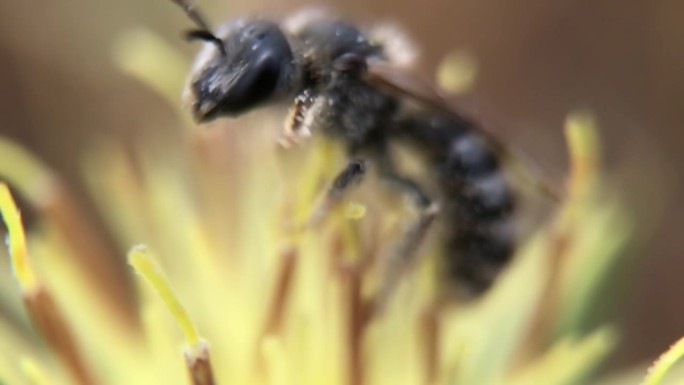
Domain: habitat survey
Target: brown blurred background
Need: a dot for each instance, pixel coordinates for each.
(538, 60)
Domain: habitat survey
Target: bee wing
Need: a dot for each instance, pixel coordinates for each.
(402, 82)
(406, 84)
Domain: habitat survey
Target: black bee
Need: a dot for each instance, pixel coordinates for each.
(353, 85)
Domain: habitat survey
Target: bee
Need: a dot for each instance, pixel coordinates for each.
(356, 86)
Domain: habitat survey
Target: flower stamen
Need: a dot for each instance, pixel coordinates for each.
(16, 242)
(197, 350)
(40, 305)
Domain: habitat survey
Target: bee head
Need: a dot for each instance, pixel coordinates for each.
(246, 64)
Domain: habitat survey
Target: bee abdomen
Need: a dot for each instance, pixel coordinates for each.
(474, 254)
(478, 203)
(479, 211)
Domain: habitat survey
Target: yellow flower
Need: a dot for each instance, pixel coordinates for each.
(231, 279)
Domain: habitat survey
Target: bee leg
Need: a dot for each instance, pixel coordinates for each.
(349, 177)
(405, 252)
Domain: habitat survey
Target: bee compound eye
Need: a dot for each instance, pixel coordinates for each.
(266, 79)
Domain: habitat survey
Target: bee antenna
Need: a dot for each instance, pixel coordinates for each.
(204, 32)
(204, 35)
